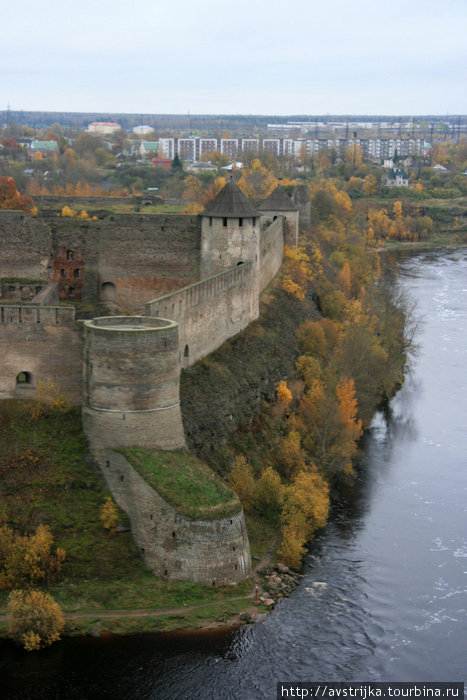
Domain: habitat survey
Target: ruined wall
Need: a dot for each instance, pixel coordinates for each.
(40, 342)
(131, 383)
(26, 246)
(272, 251)
(210, 311)
(172, 545)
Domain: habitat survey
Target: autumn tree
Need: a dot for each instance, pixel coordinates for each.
(28, 559)
(242, 481)
(290, 457)
(10, 198)
(311, 338)
(35, 620)
(257, 182)
(369, 185)
(284, 395)
(269, 492)
(108, 514)
(305, 510)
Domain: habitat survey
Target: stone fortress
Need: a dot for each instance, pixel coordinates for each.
(171, 289)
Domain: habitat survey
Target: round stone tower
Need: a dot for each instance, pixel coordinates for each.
(131, 383)
(230, 232)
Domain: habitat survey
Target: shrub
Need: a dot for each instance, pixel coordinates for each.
(35, 620)
(108, 514)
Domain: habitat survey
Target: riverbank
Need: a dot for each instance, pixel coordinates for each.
(47, 478)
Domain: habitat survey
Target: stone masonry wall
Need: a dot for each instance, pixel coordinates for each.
(172, 545)
(272, 251)
(210, 311)
(26, 246)
(42, 341)
(131, 383)
(142, 255)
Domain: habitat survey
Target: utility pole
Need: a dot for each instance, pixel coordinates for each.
(354, 149)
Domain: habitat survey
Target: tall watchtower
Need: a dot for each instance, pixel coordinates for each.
(230, 232)
(279, 203)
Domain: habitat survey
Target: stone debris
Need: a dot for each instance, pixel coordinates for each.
(277, 583)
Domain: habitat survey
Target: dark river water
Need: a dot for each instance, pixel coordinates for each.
(391, 564)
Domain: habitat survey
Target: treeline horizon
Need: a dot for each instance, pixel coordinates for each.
(40, 118)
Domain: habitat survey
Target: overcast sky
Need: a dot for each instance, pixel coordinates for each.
(235, 56)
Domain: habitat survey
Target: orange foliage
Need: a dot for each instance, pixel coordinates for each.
(284, 395)
(10, 198)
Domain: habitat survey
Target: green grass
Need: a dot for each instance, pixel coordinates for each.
(185, 482)
(45, 478)
(220, 613)
(262, 534)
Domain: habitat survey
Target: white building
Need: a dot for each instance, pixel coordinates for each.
(143, 130)
(103, 127)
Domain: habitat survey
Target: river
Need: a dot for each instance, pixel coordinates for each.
(390, 603)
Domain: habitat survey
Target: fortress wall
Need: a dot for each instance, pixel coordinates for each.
(70, 238)
(172, 545)
(26, 246)
(301, 197)
(43, 342)
(272, 251)
(131, 383)
(143, 255)
(210, 312)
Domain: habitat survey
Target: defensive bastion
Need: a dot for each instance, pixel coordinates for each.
(197, 280)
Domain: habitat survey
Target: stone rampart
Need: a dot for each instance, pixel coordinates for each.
(130, 258)
(210, 311)
(26, 246)
(37, 343)
(172, 545)
(272, 251)
(131, 383)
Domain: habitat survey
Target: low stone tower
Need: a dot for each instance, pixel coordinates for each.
(279, 203)
(131, 383)
(230, 232)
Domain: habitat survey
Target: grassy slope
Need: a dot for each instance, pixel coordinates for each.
(185, 482)
(44, 478)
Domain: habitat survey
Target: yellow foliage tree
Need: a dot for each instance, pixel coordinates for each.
(397, 209)
(292, 288)
(308, 368)
(311, 338)
(305, 510)
(284, 395)
(269, 492)
(34, 619)
(242, 481)
(345, 277)
(108, 514)
(26, 560)
(369, 185)
(48, 396)
(290, 456)
(68, 212)
(213, 189)
(345, 391)
(257, 181)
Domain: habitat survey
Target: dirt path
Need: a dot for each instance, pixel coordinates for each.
(150, 612)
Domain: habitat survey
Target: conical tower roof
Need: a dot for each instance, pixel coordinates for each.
(230, 202)
(278, 200)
